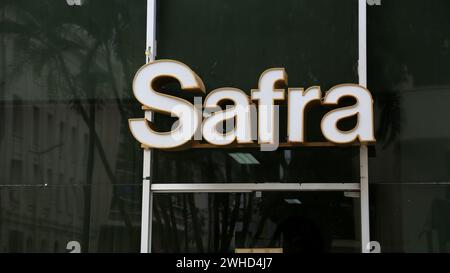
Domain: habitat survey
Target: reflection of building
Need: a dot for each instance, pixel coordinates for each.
(47, 195)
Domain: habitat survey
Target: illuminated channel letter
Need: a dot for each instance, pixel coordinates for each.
(266, 95)
(297, 102)
(145, 91)
(362, 108)
(240, 112)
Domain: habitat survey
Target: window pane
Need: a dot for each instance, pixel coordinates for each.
(227, 222)
(408, 73)
(65, 101)
(230, 43)
(65, 92)
(48, 219)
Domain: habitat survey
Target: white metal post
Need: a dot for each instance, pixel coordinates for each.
(253, 187)
(147, 203)
(363, 154)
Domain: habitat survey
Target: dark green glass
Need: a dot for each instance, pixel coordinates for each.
(65, 100)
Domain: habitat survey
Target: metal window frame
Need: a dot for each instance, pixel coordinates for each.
(251, 187)
(363, 153)
(148, 188)
(147, 200)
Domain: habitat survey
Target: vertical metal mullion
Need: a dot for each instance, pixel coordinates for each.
(363, 154)
(147, 202)
(146, 205)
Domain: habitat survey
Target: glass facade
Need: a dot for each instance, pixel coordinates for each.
(71, 172)
(408, 73)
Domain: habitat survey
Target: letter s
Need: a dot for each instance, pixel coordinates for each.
(144, 91)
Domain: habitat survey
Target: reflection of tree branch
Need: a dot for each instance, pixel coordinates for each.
(159, 221)
(164, 199)
(225, 218)
(90, 160)
(210, 222)
(174, 226)
(100, 150)
(186, 228)
(113, 82)
(89, 173)
(247, 219)
(121, 53)
(197, 230)
(232, 226)
(216, 222)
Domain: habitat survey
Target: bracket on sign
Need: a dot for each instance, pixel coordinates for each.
(148, 54)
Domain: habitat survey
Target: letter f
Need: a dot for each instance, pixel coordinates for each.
(266, 95)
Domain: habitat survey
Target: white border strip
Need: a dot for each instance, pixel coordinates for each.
(250, 187)
(151, 31)
(363, 154)
(146, 220)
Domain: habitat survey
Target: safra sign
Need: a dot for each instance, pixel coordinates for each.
(203, 123)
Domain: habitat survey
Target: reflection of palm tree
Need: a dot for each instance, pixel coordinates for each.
(390, 117)
(50, 39)
(388, 101)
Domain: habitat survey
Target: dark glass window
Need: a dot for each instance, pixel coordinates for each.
(230, 43)
(409, 75)
(227, 222)
(65, 100)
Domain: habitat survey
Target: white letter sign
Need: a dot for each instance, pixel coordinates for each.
(271, 88)
(144, 91)
(362, 108)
